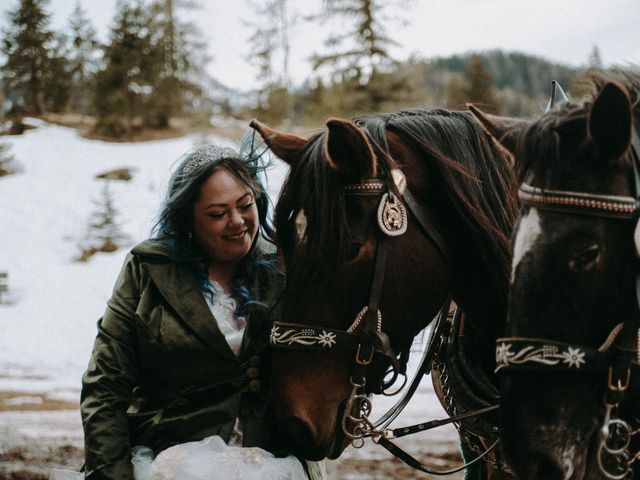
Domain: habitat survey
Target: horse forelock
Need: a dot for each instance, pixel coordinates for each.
(313, 187)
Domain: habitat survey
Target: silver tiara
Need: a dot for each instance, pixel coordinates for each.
(206, 154)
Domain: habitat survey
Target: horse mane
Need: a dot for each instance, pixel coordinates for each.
(539, 146)
(474, 176)
(471, 171)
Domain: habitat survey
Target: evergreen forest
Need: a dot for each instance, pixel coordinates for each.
(150, 74)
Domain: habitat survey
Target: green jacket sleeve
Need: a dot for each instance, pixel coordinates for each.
(108, 381)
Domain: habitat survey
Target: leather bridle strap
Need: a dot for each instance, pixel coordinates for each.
(519, 353)
(607, 206)
(427, 225)
(384, 439)
(592, 204)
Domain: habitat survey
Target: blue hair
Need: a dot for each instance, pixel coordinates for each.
(174, 224)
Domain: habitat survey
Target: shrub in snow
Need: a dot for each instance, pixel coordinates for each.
(104, 233)
(7, 164)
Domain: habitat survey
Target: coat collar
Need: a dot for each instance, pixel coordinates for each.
(181, 289)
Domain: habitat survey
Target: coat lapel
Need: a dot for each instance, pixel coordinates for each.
(180, 288)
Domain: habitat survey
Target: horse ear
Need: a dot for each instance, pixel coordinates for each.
(505, 130)
(285, 146)
(348, 150)
(557, 98)
(610, 120)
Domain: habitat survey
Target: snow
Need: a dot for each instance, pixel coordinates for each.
(48, 328)
(48, 322)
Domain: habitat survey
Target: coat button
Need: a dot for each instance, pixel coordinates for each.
(254, 385)
(253, 372)
(254, 361)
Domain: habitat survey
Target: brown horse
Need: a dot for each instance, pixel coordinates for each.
(459, 193)
(570, 364)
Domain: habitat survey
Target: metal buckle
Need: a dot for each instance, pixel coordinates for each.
(619, 387)
(360, 361)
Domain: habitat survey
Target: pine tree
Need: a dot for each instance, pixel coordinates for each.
(174, 44)
(360, 57)
(456, 95)
(128, 62)
(27, 44)
(270, 40)
(479, 85)
(82, 59)
(104, 234)
(357, 53)
(595, 59)
(57, 77)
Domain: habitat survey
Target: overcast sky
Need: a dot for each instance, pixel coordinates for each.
(561, 30)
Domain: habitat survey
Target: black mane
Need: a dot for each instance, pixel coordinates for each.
(474, 175)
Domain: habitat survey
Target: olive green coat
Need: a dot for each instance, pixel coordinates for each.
(162, 373)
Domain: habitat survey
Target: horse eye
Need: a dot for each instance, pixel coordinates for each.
(586, 259)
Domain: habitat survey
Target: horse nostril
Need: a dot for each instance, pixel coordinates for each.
(300, 432)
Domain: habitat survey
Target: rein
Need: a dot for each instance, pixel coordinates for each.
(536, 354)
(366, 337)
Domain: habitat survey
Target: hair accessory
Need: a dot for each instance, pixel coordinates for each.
(206, 154)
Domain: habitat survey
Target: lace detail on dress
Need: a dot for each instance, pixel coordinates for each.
(223, 308)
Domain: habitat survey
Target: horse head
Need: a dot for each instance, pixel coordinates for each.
(379, 222)
(329, 236)
(572, 323)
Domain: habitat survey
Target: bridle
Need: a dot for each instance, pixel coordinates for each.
(366, 337)
(535, 354)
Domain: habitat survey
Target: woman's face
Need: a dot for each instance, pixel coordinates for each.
(225, 218)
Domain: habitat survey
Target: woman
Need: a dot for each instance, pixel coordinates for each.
(181, 351)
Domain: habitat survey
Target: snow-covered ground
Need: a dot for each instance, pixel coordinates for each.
(48, 320)
(47, 329)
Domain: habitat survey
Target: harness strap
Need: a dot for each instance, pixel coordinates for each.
(523, 353)
(296, 336)
(427, 225)
(418, 465)
(423, 368)
(421, 427)
(376, 287)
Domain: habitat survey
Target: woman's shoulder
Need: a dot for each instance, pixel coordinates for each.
(265, 247)
(150, 248)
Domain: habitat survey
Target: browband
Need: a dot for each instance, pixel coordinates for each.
(609, 206)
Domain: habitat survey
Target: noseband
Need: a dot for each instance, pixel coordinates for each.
(534, 354)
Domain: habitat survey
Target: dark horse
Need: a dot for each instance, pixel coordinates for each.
(569, 380)
(458, 219)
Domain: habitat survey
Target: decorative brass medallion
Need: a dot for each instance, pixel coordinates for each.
(392, 216)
